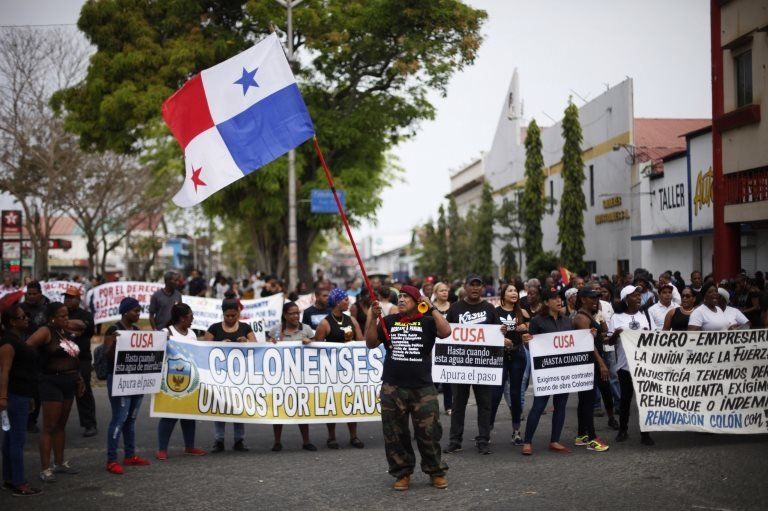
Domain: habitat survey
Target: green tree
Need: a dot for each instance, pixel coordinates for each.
(454, 244)
(570, 224)
(533, 199)
(441, 233)
(365, 69)
(509, 267)
(540, 266)
(482, 235)
(426, 245)
(509, 217)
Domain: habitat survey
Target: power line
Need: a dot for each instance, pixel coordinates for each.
(40, 25)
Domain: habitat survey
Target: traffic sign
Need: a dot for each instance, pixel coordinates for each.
(322, 201)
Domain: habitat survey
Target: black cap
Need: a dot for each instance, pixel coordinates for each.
(548, 294)
(588, 292)
(473, 277)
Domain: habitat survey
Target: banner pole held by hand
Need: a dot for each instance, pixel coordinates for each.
(349, 230)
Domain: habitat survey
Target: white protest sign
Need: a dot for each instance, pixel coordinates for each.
(104, 300)
(261, 314)
(139, 356)
(54, 289)
(472, 354)
(562, 362)
(715, 382)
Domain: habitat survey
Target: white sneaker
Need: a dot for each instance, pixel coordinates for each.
(65, 468)
(47, 476)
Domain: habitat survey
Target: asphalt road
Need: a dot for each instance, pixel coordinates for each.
(683, 471)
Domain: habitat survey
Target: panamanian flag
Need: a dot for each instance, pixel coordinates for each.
(236, 117)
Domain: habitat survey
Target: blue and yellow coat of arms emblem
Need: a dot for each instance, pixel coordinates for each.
(178, 375)
(181, 376)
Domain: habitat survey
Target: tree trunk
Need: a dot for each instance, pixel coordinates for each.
(305, 237)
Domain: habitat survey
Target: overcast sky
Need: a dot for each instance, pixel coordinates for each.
(557, 46)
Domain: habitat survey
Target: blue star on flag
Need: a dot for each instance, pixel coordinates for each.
(247, 80)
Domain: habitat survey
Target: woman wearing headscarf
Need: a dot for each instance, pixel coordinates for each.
(125, 409)
(339, 327)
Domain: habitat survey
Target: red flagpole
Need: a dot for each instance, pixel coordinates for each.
(349, 230)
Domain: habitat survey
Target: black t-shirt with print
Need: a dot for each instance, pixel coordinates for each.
(482, 313)
(408, 361)
(313, 316)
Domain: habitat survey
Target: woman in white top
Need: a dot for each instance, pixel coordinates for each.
(736, 319)
(180, 328)
(291, 329)
(708, 316)
(632, 319)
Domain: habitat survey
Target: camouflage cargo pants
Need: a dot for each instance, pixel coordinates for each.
(397, 403)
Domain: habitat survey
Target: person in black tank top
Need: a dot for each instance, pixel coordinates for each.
(18, 382)
(677, 318)
(586, 436)
(338, 327)
(59, 382)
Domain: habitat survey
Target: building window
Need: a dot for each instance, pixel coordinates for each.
(591, 267)
(591, 185)
(743, 65)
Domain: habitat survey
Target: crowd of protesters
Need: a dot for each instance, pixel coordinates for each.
(46, 359)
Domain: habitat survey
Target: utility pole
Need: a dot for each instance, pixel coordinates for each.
(293, 264)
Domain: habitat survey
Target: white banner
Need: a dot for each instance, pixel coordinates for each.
(54, 289)
(562, 362)
(104, 300)
(472, 354)
(715, 382)
(262, 314)
(139, 356)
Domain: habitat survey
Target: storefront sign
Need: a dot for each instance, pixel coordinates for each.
(616, 216)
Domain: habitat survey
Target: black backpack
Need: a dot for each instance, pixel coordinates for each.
(100, 364)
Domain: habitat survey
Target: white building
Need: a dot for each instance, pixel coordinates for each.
(630, 166)
(467, 185)
(389, 255)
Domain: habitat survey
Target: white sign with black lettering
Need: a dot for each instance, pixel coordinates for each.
(562, 362)
(472, 354)
(714, 382)
(262, 314)
(139, 356)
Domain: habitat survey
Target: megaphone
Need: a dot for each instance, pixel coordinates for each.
(423, 307)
